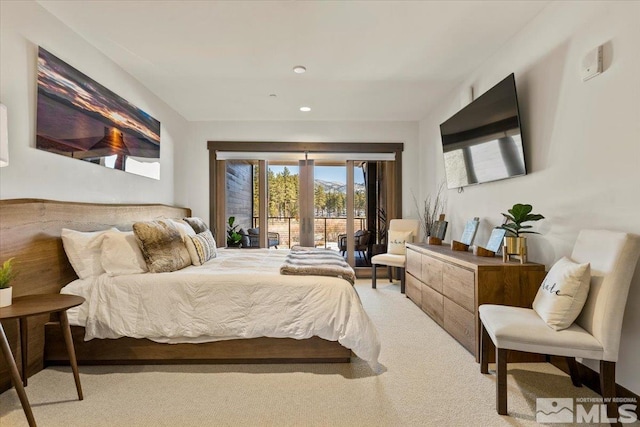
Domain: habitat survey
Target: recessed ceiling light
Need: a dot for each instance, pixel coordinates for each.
(305, 109)
(299, 69)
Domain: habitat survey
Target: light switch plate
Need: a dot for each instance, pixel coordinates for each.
(592, 64)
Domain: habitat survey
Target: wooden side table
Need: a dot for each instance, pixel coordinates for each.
(21, 309)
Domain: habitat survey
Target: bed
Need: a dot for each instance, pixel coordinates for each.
(30, 231)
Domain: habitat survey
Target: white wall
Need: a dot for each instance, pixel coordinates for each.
(35, 173)
(582, 140)
(192, 160)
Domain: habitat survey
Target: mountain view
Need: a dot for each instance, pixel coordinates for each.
(340, 187)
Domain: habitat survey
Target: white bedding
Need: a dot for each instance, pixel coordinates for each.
(239, 294)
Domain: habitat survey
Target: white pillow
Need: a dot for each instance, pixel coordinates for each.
(83, 250)
(563, 293)
(201, 247)
(397, 240)
(121, 254)
(183, 227)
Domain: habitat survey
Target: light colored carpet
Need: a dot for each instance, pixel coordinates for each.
(425, 378)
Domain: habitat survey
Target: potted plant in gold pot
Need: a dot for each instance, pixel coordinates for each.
(515, 243)
(6, 275)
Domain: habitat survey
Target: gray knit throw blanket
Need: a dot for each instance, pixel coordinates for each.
(317, 262)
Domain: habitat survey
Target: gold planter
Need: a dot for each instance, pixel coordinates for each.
(516, 246)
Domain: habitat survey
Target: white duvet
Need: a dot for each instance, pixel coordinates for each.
(239, 294)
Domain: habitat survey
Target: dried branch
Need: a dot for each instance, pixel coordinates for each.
(432, 209)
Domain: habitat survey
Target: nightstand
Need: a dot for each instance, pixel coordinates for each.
(21, 309)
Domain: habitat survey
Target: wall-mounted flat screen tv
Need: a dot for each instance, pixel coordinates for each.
(483, 141)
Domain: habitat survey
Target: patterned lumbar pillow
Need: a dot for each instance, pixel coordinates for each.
(162, 246)
(397, 240)
(563, 293)
(197, 224)
(201, 247)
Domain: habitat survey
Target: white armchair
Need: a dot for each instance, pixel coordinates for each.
(395, 259)
(594, 335)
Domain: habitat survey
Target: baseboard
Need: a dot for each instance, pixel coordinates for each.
(591, 379)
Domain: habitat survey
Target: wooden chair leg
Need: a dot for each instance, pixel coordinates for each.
(485, 342)
(608, 387)
(401, 280)
(501, 381)
(373, 276)
(573, 371)
(390, 274)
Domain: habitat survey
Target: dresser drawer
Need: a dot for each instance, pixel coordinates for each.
(459, 286)
(414, 289)
(460, 324)
(432, 304)
(414, 263)
(432, 272)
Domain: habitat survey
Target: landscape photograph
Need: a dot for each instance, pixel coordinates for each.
(80, 118)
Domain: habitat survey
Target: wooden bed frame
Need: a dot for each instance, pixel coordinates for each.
(30, 232)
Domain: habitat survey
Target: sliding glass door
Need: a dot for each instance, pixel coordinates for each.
(329, 195)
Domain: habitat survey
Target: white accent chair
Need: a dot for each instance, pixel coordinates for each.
(395, 260)
(595, 333)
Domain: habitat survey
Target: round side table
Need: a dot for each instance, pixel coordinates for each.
(21, 309)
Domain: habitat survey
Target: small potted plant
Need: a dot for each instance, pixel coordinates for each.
(519, 214)
(233, 237)
(6, 275)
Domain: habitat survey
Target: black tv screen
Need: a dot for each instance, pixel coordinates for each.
(483, 141)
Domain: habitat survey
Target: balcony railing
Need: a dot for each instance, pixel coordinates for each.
(326, 229)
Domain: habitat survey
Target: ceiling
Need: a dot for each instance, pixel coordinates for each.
(365, 60)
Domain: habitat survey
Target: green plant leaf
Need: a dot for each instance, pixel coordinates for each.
(6, 273)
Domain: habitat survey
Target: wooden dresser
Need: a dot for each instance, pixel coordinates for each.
(450, 285)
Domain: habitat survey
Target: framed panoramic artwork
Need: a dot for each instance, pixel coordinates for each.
(80, 118)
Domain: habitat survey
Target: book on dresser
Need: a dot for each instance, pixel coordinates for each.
(449, 286)
(470, 229)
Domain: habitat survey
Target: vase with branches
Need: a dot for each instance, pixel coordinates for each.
(432, 208)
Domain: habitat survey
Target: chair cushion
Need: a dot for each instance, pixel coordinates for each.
(517, 328)
(397, 240)
(563, 293)
(391, 260)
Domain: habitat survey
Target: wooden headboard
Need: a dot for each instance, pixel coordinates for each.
(30, 233)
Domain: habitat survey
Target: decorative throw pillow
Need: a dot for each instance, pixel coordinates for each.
(563, 293)
(183, 227)
(397, 239)
(162, 246)
(83, 250)
(201, 247)
(121, 254)
(197, 224)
